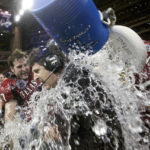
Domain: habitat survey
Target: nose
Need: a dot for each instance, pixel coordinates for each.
(35, 76)
(24, 68)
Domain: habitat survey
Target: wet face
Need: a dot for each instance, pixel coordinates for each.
(20, 68)
(41, 74)
(1, 78)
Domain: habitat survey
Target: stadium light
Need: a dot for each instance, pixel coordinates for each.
(17, 18)
(21, 12)
(27, 4)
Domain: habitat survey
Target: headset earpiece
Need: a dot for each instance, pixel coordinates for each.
(49, 60)
(52, 62)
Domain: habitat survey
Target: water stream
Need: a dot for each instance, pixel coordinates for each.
(117, 80)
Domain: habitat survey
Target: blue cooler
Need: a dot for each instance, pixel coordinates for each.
(72, 22)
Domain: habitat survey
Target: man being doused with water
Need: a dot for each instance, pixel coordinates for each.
(83, 109)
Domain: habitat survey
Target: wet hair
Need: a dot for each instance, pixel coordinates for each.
(39, 56)
(16, 54)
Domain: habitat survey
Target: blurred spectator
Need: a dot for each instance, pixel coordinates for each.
(2, 78)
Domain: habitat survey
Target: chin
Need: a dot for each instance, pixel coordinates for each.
(47, 87)
(24, 77)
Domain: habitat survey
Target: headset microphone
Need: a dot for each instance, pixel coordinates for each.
(39, 88)
(50, 61)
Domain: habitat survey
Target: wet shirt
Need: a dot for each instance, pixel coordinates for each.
(97, 108)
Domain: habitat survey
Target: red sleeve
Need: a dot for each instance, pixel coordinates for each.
(5, 91)
(144, 76)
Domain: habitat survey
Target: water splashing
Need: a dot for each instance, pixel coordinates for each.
(117, 79)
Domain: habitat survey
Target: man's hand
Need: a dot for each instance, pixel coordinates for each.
(51, 132)
(10, 110)
(1, 114)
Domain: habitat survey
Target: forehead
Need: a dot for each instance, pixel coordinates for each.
(19, 61)
(37, 66)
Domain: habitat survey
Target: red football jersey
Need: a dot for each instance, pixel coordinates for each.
(146, 72)
(5, 91)
(144, 78)
(23, 89)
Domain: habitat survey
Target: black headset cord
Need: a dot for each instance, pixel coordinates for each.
(39, 88)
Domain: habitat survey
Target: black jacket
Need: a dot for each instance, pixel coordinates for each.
(92, 105)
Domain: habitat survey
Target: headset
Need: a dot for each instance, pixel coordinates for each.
(50, 61)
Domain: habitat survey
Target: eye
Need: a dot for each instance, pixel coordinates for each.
(36, 71)
(18, 67)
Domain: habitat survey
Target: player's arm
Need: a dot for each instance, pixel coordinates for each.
(10, 110)
(7, 100)
(1, 109)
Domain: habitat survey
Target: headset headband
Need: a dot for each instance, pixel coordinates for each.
(43, 52)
